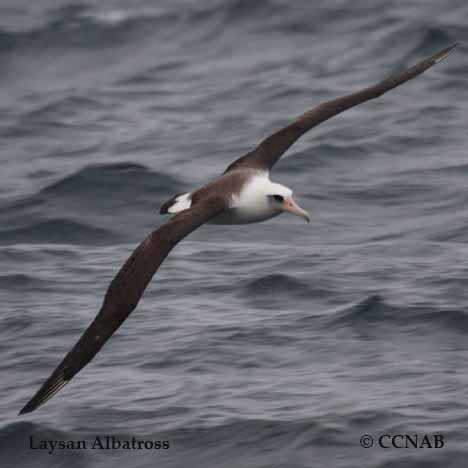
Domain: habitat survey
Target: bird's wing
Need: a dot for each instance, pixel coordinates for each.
(265, 155)
(125, 291)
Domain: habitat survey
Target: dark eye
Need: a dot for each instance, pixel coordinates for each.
(278, 198)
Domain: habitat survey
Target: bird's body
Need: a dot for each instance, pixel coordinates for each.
(243, 194)
(247, 201)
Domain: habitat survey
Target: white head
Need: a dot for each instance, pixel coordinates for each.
(280, 199)
(262, 199)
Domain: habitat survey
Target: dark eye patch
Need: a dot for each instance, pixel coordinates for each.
(278, 198)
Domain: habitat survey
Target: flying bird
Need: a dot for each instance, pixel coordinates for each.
(243, 194)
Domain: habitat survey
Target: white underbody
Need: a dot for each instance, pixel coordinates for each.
(251, 205)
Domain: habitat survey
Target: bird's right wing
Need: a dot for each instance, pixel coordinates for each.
(267, 153)
(124, 293)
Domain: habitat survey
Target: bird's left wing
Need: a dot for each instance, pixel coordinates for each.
(124, 293)
(267, 153)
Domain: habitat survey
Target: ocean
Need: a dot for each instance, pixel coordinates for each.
(339, 343)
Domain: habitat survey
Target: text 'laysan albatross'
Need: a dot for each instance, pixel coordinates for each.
(242, 194)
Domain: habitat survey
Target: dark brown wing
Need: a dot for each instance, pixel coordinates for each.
(124, 293)
(272, 148)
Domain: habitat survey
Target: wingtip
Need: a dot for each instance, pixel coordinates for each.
(45, 393)
(444, 53)
(24, 410)
(29, 407)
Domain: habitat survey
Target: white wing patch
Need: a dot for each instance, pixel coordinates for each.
(181, 203)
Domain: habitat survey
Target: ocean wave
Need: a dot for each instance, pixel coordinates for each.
(20, 281)
(375, 310)
(61, 108)
(84, 205)
(75, 26)
(85, 27)
(280, 290)
(276, 283)
(57, 230)
(107, 180)
(82, 26)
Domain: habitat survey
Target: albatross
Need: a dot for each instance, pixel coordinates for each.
(242, 194)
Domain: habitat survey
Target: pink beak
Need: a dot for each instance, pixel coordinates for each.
(290, 205)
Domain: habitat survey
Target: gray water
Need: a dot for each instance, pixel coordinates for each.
(270, 345)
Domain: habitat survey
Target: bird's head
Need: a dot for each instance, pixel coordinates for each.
(280, 199)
